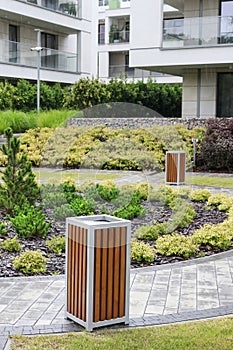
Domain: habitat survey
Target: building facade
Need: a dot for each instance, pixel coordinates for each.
(114, 41)
(65, 38)
(193, 40)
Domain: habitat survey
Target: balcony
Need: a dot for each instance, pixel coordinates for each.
(197, 31)
(117, 35)
(68, 7)
(16, 53)
(113, 4)
(117, 71)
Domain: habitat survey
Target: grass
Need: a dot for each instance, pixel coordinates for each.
(203, 335)
(20, 121)
(47, 176)
(225, 182)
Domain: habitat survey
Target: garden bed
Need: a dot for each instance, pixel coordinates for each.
(154, 211)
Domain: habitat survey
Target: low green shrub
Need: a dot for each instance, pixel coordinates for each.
(3, 230)
(54, 200)
(183, 215)
(11, 245)
(221, 200)
(30, 221)
(150, 233)
(30, 262)
(216, 236)
(142, 252)
(107, 190)
(200, 195)
(144, 189)
(63, 212)
(177, 245)
(81, 206)
(57, 244)
(132, 209)
(163, 194)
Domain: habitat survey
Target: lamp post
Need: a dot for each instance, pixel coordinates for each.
(38, 49)
(194, 141)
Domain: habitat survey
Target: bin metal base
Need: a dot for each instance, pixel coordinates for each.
(97, 270)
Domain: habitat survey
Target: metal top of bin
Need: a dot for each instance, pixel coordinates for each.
(97, 220)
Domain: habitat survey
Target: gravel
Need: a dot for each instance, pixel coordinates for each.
(56, 262)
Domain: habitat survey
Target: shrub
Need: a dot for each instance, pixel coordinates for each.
(30, 262)
(3, 230)
(183, 215)
(215, 152)
(81, 207)
(163, 194)
(217, 236)
(63, 212)
(131, 210)
(11, 245)
(221, 200)
(30, 221)
(150, 233)
(200, 195)
(57, 244)
(142, 252)
(143, 189)
(107, 190)
(176, 245)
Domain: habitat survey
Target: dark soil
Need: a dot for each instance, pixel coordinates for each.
(158, 212)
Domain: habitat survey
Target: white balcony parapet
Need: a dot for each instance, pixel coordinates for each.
(21, 54)
(197, 31)
(113, 4)
(67, 7)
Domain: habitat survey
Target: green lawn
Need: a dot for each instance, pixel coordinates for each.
(226, 182)
(204, 335)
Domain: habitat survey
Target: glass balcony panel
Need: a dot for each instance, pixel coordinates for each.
(118, 36)
(21, 54)
(117, 71)
(68, 7)
(197, 31)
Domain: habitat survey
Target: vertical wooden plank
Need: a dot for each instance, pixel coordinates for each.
(84, 276)
(116, 272)
(103, 308)
(75, 269)
(97, 275)
(110, 273)
(69, 274)
(79, 281)
(122, 272)
(182, 167)
(72, 269)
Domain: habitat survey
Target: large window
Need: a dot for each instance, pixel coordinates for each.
(13, 43)
(49, 57)
(225, 95)
(226, 25)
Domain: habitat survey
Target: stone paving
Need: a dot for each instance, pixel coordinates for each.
(191, 290)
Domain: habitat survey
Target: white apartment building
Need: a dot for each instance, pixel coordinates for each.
(114, 41)
(65, 38)
(195, 41)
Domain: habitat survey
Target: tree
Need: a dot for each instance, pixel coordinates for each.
(19, 185)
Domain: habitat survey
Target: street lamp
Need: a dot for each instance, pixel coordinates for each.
(38, 49)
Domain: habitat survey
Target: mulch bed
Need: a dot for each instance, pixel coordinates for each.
(158, 212)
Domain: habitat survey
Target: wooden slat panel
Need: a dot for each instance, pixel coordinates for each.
(72, 268)
(182, 167)
(172, 160)
(116, 273)
(103, 309)
(75, 269)
(122, 272)
(84, 274)
(110, 273)
(79, 269)
(97, 275)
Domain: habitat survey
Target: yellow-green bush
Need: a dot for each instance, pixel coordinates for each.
(177, 245)
(142, 252)
(221, 200)
(30, 262)
(200, 195)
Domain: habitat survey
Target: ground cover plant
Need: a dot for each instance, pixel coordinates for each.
(203, 335)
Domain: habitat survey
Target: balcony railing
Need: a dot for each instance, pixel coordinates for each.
(126, 71)
(119, 36)
(197, 31)
(68, 7)
(114, 4)
(20, 54)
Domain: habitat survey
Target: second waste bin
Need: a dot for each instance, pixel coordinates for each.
(97, 270)
(175, 167)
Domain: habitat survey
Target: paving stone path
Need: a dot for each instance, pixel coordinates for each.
(192, 290)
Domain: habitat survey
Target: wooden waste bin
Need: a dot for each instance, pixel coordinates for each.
(175, 167)
(97, 270)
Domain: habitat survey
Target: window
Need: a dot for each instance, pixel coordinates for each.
(13, 43)
(50, 4)
(49, 57)
(101, 31)
(225, 95)
(226, 24)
